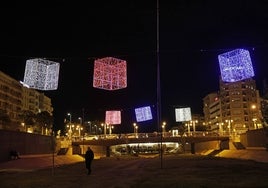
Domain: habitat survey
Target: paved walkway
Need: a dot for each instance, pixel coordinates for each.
(258, 154)
(34, 162)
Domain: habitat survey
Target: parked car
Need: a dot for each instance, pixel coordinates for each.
(91, 137)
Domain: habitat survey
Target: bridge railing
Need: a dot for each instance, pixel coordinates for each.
(146, 135)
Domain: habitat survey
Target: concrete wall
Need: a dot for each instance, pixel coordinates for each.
(254, 138)
(203, 146)
(99, 151)
(24, 143)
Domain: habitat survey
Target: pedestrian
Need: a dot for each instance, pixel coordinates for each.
(88, 159)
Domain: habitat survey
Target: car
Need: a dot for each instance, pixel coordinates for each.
(91, 137)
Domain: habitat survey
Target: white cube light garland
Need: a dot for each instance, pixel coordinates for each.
(110, 73)
(41, 74)
(183, 114)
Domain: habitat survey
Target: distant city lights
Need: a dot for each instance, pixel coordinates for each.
(110, 74)
(143, 114)
(41, 74)
(235, 65)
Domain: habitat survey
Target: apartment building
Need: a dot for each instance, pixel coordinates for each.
(235, 108)
(10, 100)
(14, 99)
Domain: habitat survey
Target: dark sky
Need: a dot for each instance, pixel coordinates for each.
(192, 35)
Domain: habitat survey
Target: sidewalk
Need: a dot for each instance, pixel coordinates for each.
(35, 162)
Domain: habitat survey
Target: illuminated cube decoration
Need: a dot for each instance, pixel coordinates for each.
(143, 114)
(235, 65)
(113, 117)
(110, 74)
(41, 74)
(183, 114)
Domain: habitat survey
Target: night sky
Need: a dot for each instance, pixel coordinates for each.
(192, 35)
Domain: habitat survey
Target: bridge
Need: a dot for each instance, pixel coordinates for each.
(196, 141)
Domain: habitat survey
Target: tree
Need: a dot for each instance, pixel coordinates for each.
(44, 122)
(4, 118)
(27, 117)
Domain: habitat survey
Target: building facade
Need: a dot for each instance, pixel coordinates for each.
(236, 108)
(14, 99)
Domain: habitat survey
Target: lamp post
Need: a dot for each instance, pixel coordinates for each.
(80, 119)
(164, 127)
(193, 122)
(70, 125)
(220, 128)
(253, 108)
(137, 131)
(229, 121)
(189, 130)
(134, 128)
(79, 128)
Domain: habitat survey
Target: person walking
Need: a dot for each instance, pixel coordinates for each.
(88, 159)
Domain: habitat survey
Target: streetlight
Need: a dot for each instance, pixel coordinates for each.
(80, 119)
(70, 125)
(135, 129)
(229, 121)
(134, 126)
(194, 121)
(164, 127)
(69, 114)
(220, 128)
(254, 122)
(188, 126)
(79, 128)
(253, 108)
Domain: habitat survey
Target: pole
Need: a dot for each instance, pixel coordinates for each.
(159, 89)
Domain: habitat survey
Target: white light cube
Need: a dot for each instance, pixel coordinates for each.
(41, 74)
(183, 114)
(110, 73)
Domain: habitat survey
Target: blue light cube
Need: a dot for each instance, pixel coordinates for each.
(143, 114)
(235, 65)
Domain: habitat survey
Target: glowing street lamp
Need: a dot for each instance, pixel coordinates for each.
(79, 128)
(254, 122)
(164, 127)
(80, 119)
(188, 126)
(134, 126)
(193, 122)
(229, 121)
(135, 129)
(69, 114)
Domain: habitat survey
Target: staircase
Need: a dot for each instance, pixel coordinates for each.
(62, 151)
(238, 145)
